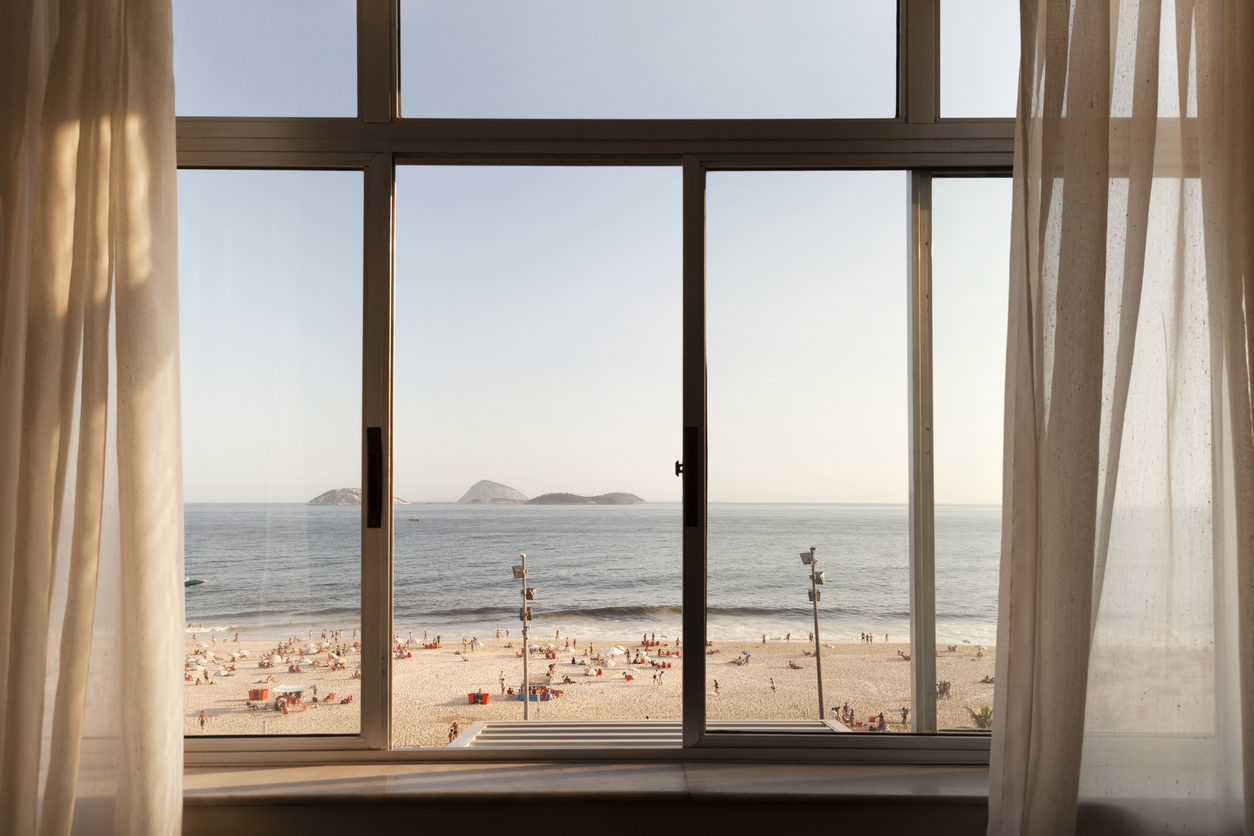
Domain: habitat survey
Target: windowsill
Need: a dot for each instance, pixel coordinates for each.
(712, 797)
(496, 782)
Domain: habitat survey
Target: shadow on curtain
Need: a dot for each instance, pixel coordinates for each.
(90, 488)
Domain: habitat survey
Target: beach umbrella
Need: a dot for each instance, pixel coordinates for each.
(219, 673)
(276, 659)
(613, 651)
(198, 667)
(203, 644)
(243, 653)
(533, 647)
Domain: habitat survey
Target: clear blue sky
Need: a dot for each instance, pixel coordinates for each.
(538, 309)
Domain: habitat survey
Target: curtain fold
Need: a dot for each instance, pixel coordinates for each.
(91, 493)
(1125, 698)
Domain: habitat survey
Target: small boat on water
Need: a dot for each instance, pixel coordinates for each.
(191, 581)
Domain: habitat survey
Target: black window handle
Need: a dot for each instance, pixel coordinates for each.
(374, 477)
(693, 471)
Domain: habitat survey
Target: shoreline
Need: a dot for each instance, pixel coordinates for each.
(899, 633)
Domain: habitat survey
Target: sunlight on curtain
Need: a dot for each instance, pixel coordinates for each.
(1124, 700)
(91, 484)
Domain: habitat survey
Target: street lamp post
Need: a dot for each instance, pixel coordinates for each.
(817, 578)
(524, 613)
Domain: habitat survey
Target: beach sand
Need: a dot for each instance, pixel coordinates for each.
(430, 689)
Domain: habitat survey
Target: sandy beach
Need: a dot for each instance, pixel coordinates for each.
(430, 689)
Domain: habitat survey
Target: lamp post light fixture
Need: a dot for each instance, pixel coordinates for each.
(817, 579)
(524, 614)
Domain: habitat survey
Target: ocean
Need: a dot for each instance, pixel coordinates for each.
(274, 571)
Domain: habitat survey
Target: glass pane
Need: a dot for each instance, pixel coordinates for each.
(979, 72)
(265, 57)
(807, 360)
(970, 258)
(270, 319)
(537, 410)
(648, 59)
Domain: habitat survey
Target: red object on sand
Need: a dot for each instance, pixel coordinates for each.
(259, 693)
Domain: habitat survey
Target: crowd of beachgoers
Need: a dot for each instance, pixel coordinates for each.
(311, 684)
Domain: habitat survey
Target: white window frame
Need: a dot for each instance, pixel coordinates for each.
(917, 140)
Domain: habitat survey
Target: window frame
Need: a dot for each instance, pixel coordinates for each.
(917, 140)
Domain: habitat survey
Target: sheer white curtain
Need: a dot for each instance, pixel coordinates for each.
(1125, 681)
(90, 472)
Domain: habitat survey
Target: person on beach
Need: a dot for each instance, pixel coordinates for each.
(772, 685)
(885, 638)
(498, 635)
(905, 715)
(655, 679)
(764, 638)
(204, 718)
(502, 682)
(788, 637)
(716, 687)
(237, 638)
(811, 637)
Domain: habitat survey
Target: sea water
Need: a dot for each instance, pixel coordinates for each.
(274, 571)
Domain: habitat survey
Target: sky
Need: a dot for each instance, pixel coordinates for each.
(538, 319)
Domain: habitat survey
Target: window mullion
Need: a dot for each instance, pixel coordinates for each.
(378, 60)
(376, 542)
(919, 61)
(694, 452)
(922, 505)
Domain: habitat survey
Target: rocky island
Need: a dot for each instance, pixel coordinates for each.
(487, 492)
(345, 496)
(576, 499)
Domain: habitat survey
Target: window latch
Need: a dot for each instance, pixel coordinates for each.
(679, 468)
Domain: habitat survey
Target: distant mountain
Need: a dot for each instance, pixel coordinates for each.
(486, 492)
(576, 499)
(345, 496)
